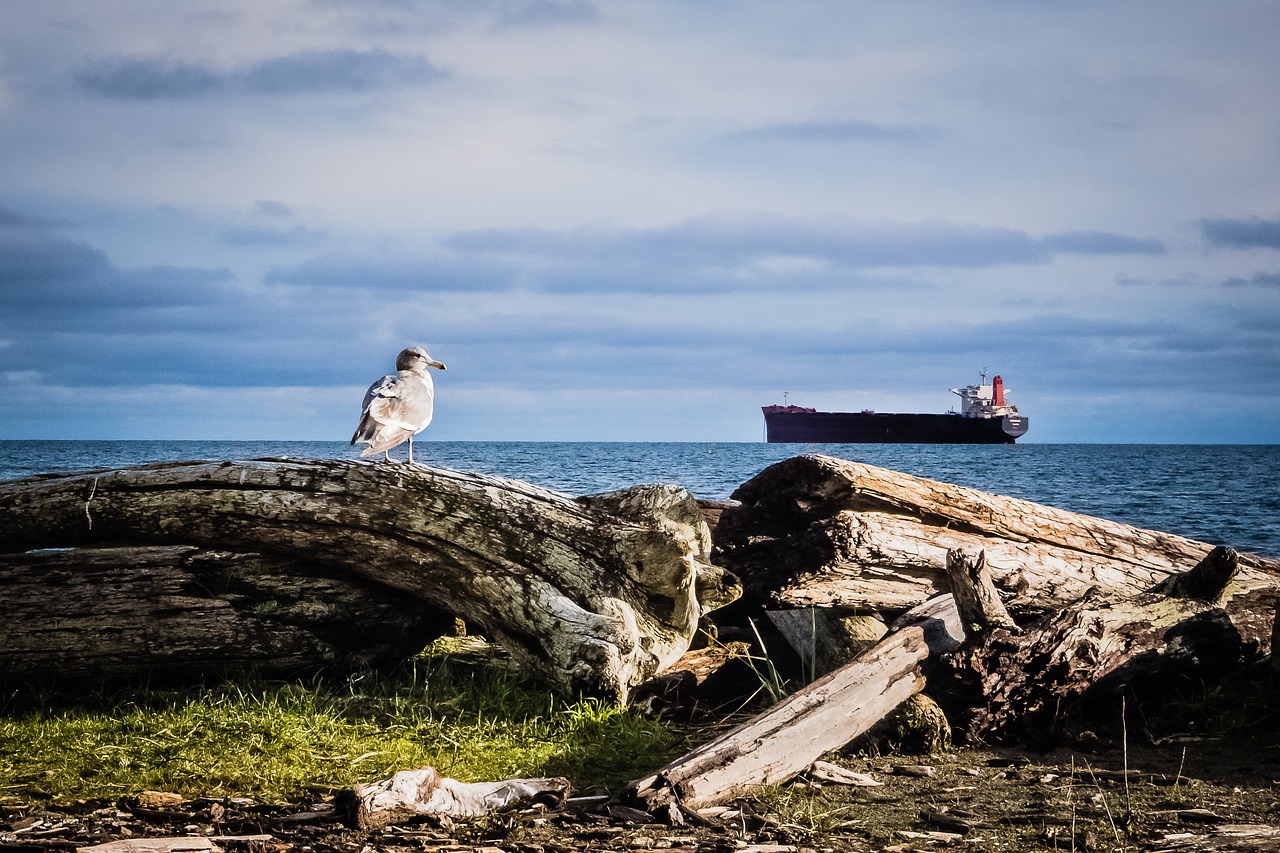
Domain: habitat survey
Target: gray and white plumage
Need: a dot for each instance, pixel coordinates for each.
(398, 406)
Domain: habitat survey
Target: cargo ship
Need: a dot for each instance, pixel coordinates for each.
(985, 417)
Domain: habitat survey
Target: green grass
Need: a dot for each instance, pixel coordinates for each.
(271, 741)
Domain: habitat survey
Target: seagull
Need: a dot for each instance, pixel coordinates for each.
(398, 406)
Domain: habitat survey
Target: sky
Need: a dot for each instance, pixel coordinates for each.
(638, 221)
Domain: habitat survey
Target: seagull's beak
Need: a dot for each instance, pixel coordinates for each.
(439, 365)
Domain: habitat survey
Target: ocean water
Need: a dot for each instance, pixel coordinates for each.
(1221, 494)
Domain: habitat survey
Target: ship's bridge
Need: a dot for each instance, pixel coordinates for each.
(984, 401)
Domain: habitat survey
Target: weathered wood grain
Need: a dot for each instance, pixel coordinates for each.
(71, 617)
(975, 594)
(598, 593)
(1034, 679)
(824, 715)
(819, 531)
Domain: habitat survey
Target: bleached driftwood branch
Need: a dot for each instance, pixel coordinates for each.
(824, 715)
(423, 792)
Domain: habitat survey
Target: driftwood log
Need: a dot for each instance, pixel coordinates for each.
(1103, 604)
(1059, 606)
(1034, 678)
(1017, 678)
(597, 593)
(70, 617)
(819, 531)
(822, 716)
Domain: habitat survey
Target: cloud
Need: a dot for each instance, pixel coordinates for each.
(544, 13)
(258, 235)
(1262, 279)
(164, 333)
(829, 131)
(269, 207)
(33, 259)
(70, 316)
(1101, 243)
(14, 219)
(303, 73)
(148, 79)
(735, 250)
(1251, 233)
(61, 283)
(528, 308)
(409, 273)
(313, 72)
(435, 16)
(721, 253)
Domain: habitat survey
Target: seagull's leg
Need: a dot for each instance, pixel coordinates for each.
(410, 450)
(386, 454)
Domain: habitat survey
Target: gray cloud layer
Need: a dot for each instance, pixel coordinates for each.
(1251, 233)
(201, 325)
(656, 206)
(305, 73)
(729, 242)
(830, 131)
(712, 254)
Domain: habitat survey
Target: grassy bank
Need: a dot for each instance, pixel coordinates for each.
(470, 719)
(1175, 771)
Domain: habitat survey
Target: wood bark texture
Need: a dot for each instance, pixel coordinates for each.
(975, 594)
(173, 613)
(1034, 680)
(824, 715)
(598, 593)
(816, 530)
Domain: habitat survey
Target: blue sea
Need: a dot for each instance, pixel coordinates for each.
(1221, 494)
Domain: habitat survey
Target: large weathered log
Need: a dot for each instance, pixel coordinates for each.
(598, 593)
(1115, 603)
(158, 613)
(828, 713)
(816, 530)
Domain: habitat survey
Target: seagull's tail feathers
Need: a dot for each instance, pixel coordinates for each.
(383, 440)
(365, 430)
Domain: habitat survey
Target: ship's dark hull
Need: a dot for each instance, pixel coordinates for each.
(889, 428)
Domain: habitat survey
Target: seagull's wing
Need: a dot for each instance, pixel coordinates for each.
(408, 405)
(382, 389)
(395, 407)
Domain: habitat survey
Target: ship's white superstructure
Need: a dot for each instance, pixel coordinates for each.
(984, 401)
